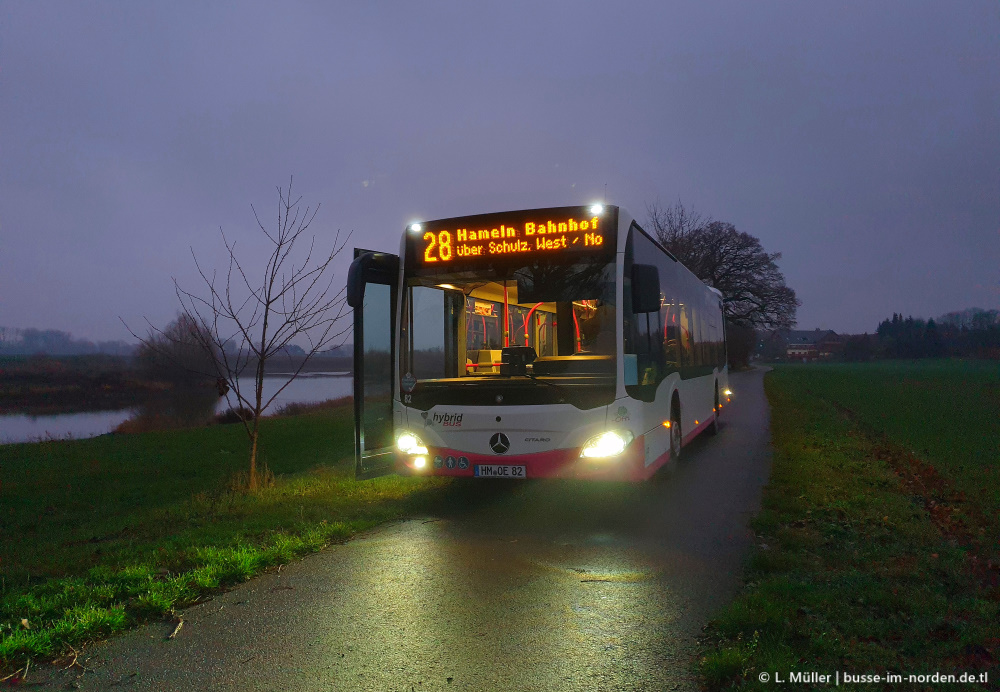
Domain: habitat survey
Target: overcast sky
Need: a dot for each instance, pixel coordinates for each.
(860, 140)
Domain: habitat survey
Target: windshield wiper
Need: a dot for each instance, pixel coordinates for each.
(560, 387)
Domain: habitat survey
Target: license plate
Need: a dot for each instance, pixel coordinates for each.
(499, 471)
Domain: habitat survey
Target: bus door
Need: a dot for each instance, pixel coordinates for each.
(371, 290)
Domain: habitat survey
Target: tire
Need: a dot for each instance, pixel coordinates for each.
(675, 431)
(713, 428)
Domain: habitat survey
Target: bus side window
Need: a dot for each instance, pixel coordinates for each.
(686, 339)
(641, 371)
(698, 330)
(650, 369)
(722, 335)
(698, 319)
(711, 311)
(709, 331)
(671, 336)
(669, 327)
(703, 334)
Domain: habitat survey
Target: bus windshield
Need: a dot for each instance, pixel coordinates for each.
(455, 325)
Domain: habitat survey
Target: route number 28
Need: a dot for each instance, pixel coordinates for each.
(441, 241)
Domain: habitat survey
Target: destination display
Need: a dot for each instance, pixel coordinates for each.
(482, 239)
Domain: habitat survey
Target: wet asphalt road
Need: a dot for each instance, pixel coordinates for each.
(537, 586)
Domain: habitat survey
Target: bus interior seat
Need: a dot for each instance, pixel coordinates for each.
(471, 359)
(487, 358)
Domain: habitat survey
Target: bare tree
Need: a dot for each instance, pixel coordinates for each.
(246, 322)
(754, 290)
(676, 227)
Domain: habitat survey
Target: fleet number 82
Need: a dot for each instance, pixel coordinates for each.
(441, 241)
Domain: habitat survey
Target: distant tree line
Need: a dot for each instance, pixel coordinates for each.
(175, 355)
(972, 333)
(52, 342)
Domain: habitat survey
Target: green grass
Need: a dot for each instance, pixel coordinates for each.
(101, 534)
(856, 570)
(943, 411)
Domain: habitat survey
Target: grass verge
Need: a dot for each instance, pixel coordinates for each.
(876, 549)
(101, 534)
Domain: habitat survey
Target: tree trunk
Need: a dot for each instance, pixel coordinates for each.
(257, 411)
(252, 480)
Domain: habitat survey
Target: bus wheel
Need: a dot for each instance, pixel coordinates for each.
(713, 427)
(675, 431)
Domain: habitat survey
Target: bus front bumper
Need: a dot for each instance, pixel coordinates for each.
(557, 463)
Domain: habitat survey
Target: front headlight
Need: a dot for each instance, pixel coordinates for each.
(408, 443)
(607, 444)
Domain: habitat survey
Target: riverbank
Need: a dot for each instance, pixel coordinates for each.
(41, 385)
(45, 385)
(109, 532)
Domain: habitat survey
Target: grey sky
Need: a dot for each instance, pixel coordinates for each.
(861, 140)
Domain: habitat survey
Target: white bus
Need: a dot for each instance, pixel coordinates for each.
(562, 342)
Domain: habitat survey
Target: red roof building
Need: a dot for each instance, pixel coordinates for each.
(808, 346)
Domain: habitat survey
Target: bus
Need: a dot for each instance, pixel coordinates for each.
(562, 342)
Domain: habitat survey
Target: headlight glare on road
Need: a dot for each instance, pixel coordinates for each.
(408, 443)
(606, 445)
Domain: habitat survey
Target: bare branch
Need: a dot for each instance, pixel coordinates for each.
(243, 323)
(754, 290)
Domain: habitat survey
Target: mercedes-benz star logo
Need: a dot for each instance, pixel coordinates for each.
(499, 443)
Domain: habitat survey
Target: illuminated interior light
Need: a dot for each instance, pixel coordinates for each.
(728, 393)
(607, 444)
(420, 462)
(666, 424)
(696, 422)
(454, 288)
(416, 227)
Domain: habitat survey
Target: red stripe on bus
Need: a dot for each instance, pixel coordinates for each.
(694, 433)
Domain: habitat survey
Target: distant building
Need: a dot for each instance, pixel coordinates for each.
(808, 346)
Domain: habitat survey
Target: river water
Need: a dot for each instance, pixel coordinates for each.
(304, 389)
